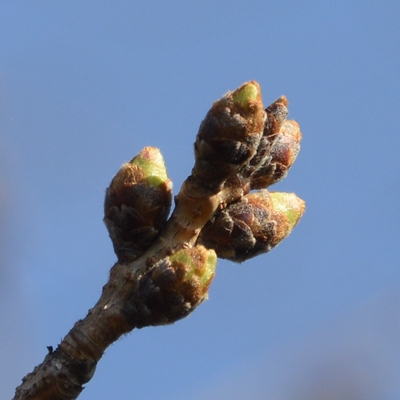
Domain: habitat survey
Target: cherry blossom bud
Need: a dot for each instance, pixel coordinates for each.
(137, 204)
(283, 154)
(172, 288)
(253, 225)
(229, 136)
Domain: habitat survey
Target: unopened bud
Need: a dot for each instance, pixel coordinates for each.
(229, 135)
(137, 204)
(172, 288)
(283, 154)
(252, 226)
(266, 151)
(276, 116)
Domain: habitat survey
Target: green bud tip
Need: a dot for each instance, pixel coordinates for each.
(249, 91)
(151, 161)
(290, 205)
(199, 261)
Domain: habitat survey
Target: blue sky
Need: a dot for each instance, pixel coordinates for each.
(84, 86)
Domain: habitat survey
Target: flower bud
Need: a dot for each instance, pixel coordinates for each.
(137, 204)
(229, 136)
(172, 288)
(253, 225)
(276, 116)
(283, 154)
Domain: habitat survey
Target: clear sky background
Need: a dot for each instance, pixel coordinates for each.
(85, 85)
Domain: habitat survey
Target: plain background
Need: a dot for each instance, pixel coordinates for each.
(85, 85)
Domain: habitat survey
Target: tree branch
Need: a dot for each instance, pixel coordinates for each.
(165, 267)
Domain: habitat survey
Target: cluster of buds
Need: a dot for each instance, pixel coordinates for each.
(223, 209)
(249, 224)
(166, 265)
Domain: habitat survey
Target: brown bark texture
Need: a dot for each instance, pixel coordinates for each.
(166, 265)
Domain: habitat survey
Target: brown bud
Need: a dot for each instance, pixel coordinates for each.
(229, 135)
(253, 225)
(276, 116)
(172, 287)
(137, 204)
(283, 154)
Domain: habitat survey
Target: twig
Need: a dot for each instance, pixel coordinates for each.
(165, 267)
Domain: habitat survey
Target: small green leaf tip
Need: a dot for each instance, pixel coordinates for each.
(210, 265)
(151, 161)
(290, 205)
(249, 91)
(199, 262)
